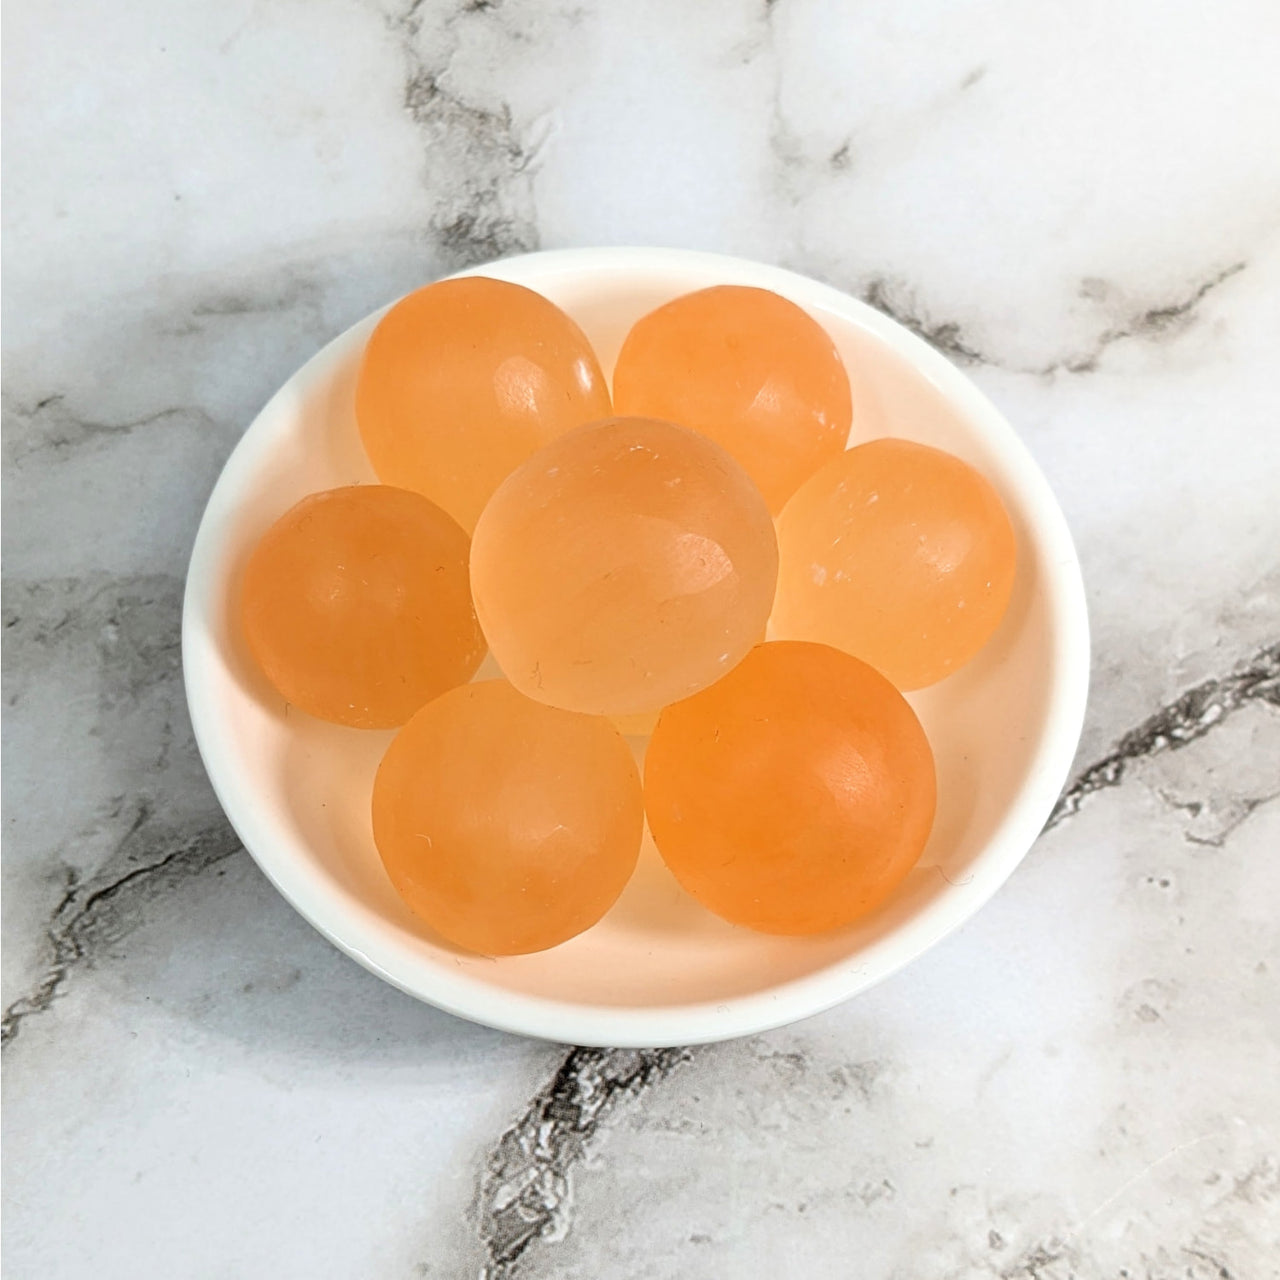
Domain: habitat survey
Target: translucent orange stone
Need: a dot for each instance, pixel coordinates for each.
(793, 796)
(356, 605)
(464, 379)
(506, 825)
(627, 564)
(899, 554)
(747, 368)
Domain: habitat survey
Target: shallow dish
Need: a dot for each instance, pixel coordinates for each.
(658, 970)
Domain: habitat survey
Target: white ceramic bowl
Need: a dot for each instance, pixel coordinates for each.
(658, 970)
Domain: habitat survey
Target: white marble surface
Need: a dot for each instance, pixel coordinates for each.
(1082, 203)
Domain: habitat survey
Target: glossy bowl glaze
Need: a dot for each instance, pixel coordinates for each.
(658, 970)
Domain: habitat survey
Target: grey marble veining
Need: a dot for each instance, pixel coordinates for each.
(1079, 205)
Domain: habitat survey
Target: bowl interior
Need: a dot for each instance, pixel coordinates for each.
(658, 968)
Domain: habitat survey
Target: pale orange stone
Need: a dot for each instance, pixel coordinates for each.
(626, 565)
(356, 604)
(748, 368)
(462, 380)
(507, 825)
(793, 796)
(899, 554)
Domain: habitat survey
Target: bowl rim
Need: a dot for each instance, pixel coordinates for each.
(361, 933)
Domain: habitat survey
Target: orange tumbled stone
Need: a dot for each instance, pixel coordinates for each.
(357, 607)
(793, 796)
(506, 825)
(748, 368)
(899, 554)
(464, 379)
(626, 565)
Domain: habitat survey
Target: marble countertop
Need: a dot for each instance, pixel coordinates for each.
(1080, 204)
